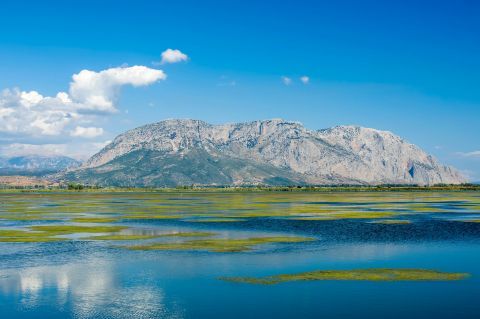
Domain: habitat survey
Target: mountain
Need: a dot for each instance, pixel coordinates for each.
(273, 152)
(35, 165)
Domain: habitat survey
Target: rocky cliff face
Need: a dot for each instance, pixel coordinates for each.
(183, 152)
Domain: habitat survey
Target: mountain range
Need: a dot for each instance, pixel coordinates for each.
(270, 152)
(35, 165)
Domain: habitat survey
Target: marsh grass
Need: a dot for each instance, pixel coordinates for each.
(48, 233)
(30, 239)
(220, 207)
(94, 220)
(151, 216)
(221, 244)
(379, 274)
(140, 237)
(21, 236)
(73, 229)
(29, 218)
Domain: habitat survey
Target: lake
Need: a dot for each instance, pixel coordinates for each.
(192, 254)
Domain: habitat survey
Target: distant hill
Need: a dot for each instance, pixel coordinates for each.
(271, 152)
(24, 181)
(35, 165)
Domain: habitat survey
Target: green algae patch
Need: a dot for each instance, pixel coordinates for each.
(72, 229)
(94, 220)
(374, 274)
(221, 244)
(425, 209)
(20, 236)
(188, 234)
(121, 237)
(392, 222)
(140, 237)
(20, 233)
(30, 239)
(27, 218)
(217, 220)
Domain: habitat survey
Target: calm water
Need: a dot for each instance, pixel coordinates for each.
(80, 278)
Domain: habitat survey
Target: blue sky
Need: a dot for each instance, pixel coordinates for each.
(411, 67)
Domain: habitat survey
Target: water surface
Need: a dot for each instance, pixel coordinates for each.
(82, 278)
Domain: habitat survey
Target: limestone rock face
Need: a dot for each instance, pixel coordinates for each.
(275, 152)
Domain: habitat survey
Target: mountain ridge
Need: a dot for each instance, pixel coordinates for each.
(262, 151)
(35, 165)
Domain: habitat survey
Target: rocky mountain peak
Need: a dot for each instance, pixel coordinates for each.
(337, 155)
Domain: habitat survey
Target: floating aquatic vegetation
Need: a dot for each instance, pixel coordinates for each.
(73, 229)
(138, 237)
(94, 220)
(422, 208)
(146, 216)
(221, 244)
(215, 207)
(373, 274)
(121, 237)
(21, 236)
(30, 239)
(27, 218)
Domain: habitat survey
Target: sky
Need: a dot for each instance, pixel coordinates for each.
(74, 74)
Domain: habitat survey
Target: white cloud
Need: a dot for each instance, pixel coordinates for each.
(97, 91)
(173, 56)
(30, 117)
(91, 94)
(305, 79)
(79, 151)
(286, 80)
(474, 154)
(29, 113)
(19, 149)
(87, 132)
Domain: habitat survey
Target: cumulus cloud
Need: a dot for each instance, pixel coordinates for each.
(305, 79)
(97, 91)
(286, 80)
(91, 94)
(87, 132)
(30, 117)
(30, 113)
(173, 56)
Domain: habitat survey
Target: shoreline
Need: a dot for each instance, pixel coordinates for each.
(228, 189)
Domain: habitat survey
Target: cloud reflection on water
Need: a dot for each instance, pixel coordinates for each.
(85, 290)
